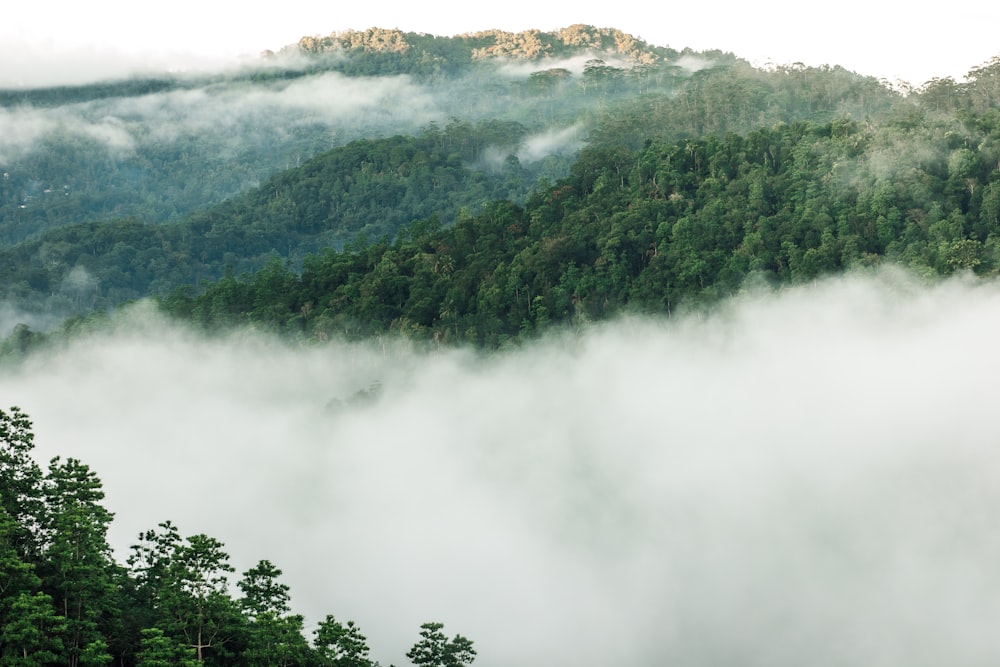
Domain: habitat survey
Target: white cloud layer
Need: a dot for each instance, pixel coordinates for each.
(807, 477)
(558, 140)
(221, 110)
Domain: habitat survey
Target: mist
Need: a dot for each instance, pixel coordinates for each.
(807, 476)
(576, 64)
(557, 140)
(120, 124)
(37, 64)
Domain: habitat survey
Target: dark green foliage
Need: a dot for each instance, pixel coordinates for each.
(262, 594)
(435, 649)
(76, 565)
(69, 603)
(273, 636)
(58, 600)
(671, 224)
(340, 645)
(117, 249)
(30, 637)
(17, 582)
(113, 151)
(20, 484)
(698, 171)
(158, 650)
(370, 188)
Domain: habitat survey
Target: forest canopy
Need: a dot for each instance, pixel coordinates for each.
(64, 600)
(604, 176)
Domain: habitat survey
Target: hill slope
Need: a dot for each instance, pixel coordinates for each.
(769, 172)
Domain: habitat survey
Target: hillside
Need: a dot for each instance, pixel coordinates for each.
(696, 170)
(159, 148)
(440, 170)
(670, 226)
(606, 353)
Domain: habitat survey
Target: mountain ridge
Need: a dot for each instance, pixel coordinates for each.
(486, 44)
(517, 133)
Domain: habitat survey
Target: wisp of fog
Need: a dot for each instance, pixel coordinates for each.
(808, 476)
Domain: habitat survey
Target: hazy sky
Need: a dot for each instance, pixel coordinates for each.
(46, 42)
(807, 478)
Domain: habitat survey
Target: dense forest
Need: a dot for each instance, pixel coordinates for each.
(125, 190)
(65, 601)
(400, 235)
(672, 224)
(158, 148)
(577, 174)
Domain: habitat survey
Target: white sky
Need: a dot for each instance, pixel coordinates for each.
(66, 40)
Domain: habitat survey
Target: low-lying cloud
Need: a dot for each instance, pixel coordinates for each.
(535, 147)
(691, 63)
(552, 142)
(575, 64)
(226, 109)
(804, 477)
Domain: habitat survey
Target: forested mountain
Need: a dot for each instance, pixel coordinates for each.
(485, 117)
(672, 224)
(368, 187)
(476, 190)
(158, 148)
(583, 173)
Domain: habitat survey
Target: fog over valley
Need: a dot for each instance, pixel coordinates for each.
(235, 107)
(596, 348)
(800, 476)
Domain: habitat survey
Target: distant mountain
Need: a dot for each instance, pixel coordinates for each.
(365, 136)
(158, 148)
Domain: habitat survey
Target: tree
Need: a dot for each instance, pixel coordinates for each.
(262, 593)
(159, 650)
(20, 481)
(149, 566)
(185, 585)
(274, 637)
(17, 577)
(435, 649)
(276, 641)
(198, 600)
(31, 637)
(340, 645)
(77, 562)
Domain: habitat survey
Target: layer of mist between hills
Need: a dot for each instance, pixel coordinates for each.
(160, 147)
(806, 475)
(160, 154)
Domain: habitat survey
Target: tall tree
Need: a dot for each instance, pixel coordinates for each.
(274, 637)
(158, 650)
(17, 578)
(77, 561)
(31, 637)
(262, 592)
(198, 599)
(185, 583)
(341, 645)
(149, 565)
(20, 481)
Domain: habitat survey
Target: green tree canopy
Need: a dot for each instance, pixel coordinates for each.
(435, 649)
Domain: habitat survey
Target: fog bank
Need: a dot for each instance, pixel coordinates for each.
(806, 477)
